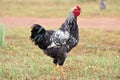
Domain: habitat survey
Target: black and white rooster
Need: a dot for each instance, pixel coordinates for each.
(57, 43)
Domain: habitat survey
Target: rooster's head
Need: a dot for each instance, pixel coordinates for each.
(76, 11)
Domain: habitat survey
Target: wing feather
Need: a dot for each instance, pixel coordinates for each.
(60, 37)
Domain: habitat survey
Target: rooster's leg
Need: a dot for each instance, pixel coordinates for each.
(54, 69)
(54, 66)
(61, 70)
(61, 62)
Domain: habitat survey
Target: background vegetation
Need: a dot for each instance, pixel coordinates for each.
(2, 36)
(57, 8)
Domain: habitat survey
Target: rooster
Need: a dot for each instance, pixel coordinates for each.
(57, 43)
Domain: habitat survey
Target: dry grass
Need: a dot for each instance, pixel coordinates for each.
(97, 57)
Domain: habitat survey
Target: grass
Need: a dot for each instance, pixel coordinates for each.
(55, 8)
(97, 57)
(2, 36)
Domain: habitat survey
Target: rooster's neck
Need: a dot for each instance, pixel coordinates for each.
(70, 18)
(69, 22)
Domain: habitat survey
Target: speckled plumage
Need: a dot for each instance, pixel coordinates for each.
(57, 43)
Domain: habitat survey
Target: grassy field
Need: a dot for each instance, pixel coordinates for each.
(97, 57)
(57, 8)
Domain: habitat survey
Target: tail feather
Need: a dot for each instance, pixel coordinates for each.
(38, 35)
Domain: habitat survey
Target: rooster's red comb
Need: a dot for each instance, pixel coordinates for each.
(76, 10)
(78, 7)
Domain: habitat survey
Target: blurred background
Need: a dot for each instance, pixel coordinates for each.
(58, 8)
(95, 13)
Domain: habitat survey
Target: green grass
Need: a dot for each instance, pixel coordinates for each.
(55, 8)
(97, 57)
(2, 36)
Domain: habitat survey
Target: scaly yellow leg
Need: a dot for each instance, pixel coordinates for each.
(62, 70)
(54, 69)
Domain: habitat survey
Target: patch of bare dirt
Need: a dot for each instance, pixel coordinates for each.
(103, 23)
